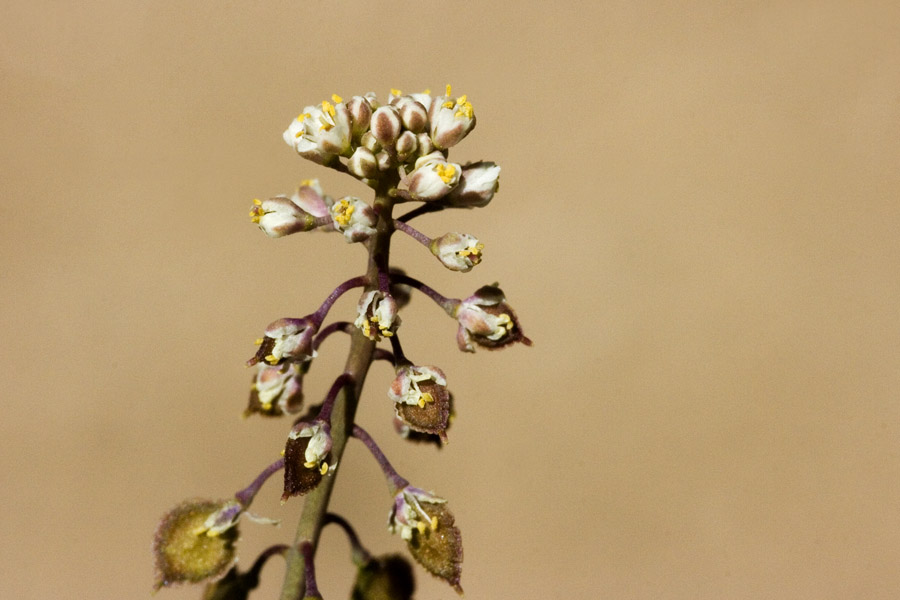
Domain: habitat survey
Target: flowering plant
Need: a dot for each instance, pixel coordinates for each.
(400, 149)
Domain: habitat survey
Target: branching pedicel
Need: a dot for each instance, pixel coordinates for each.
(400, 150)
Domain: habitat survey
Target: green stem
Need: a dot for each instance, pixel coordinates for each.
(342, 419)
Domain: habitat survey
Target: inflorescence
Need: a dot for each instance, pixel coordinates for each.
(400, 149)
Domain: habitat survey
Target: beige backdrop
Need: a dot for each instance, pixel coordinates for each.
(698, 225)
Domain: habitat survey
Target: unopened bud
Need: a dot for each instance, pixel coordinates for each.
(360, 115)
(385, 160)
(413, 114)
(425, 145)
(406, 145)
(477, 185)
(369, 142)
(363, 163)
(386, 125)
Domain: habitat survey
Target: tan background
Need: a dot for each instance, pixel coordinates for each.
(698, 225)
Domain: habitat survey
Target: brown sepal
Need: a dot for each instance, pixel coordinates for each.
(434, 417)
(298, 479)
(439, 550)
(384, 578)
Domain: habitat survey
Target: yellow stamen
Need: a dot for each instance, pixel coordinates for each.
(323, 469)
(257, 201)
(461, 99)
(396, 92)
(434, 523)
(308, 182)
(271, 359)
(302, 117)
(421, 527)
(258, 341)
(448, 91)
(282, 452)
(309, 465)
(445, 172)
(266, 406)
(327, 107)
(343, 211)
(336, 99)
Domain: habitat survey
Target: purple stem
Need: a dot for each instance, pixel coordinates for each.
(246, 495)
(345, 326)
(448, 304)
(399, 357)
(360, 554)
(312, 590)
(396, 482)
(322, 221)
(253, 573)
(340, 383)
(413, 233)
(319, 316)
(422, 210)
(382, 354)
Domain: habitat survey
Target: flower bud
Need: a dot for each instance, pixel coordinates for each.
(451, 120)
(276, 391)
(305, 454)
(377, 315)
(363, 164)
(478, 183)
(386, 125)
(432, 179)
(487, 320)
(279, 216)
(385, 160)
(457, 251)
(406, 145)
(360, 115)
(286, 339)
(425, 145)
(195, 541)
(421, 399)
(427, 525)
(384, 578)
(369, 142)
(354, 218)
(412, 114)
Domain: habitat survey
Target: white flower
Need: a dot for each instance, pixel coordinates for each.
(477, 185)
(432, 178)
(286, 339)
(408, 514)
(487, 320)
(415, 385)
(457, 251)
(451, 120)
(280, 216)
(377, 315)
(319, 445)
(276, 390)
(354, 218)
(321, 132)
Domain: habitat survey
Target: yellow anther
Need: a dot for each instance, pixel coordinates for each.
(504, 321)
(266, 405)
(271, 359)
(427, 91)
(298, 134)
(480, 246)
(258, 341)
(343, 210)
(257, 201)
(445, 172)
(336, 99)
(282, 452)
(448, 91)
(212, 533)
(324, 124)
(308, 182)
(374, 318)
(327, 107)
(255, 219)
(448, 104)
(309, 464)
(323, 469)
(396, 92)
(461, 99)
(387, 332)
(434, 523)
(421, 527)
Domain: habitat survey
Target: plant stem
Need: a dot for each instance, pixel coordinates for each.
(358, 361)
(246, 495)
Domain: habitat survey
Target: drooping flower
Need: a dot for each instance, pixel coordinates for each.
(286, 339)
(487, 320)
(457, 251)
(427, 525)
(279, 216)
(305, 457)
(276, 390)
(421, 399)
(377, 315)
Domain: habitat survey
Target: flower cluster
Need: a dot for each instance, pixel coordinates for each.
(400, 148)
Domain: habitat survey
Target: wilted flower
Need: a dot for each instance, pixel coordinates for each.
(487, 320)
(286, 339)
(195, 541)
(377, 315)
(276, 390)
(477, 185)
(421, 399)
(433, 178)
(451, 120)
(305, 456)
(457, 251)
(427, 525)
(354, 218)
